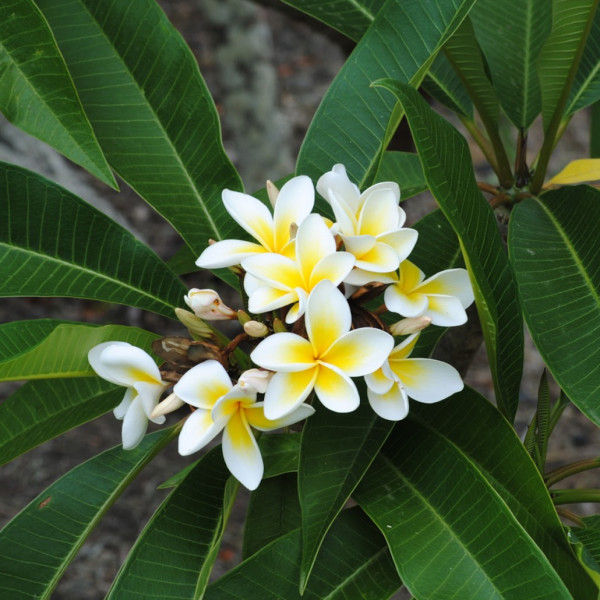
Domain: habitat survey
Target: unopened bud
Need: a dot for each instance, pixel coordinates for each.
(243, 317)
(257, 379)
(255, 329)
(207, 304)
(272, 192)
(293, 230)
(196, 326)
(170, 404)
(410, 325)
(278, 326)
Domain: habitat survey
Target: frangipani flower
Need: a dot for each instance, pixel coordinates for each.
(423, 379)
(207, 304)
(273, 280)
(370, 224)
(127, 365)
(443, 297)
(222, 406)
(272, 232)
(325, 361)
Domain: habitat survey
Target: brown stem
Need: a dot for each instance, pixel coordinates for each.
(567, 514)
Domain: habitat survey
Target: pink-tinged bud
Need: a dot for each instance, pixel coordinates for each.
(207, 304)
(170, 404)
(272, 192)
(256, 379)
(410, 325)
(256, 329)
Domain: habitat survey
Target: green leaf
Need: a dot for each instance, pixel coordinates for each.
(405, 169)
(40, 542)
(354, 119)
(280, 453)
(586, 541)
(52, 243)
(443, 84)
(449, 173)
(354, 563)
(560, 56)
(336, 451)
(450, 533)
(175, 553)
(498, 454)
(273, 511)
(42, 410)
(511, 35)
(28, 349)
(151, 110)
(555, 254)
(586, 86)
(36, 90)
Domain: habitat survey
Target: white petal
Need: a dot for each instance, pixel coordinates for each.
(393, 405)
(256, 417)
(381, 380)
(241, 452)
(203, 384)
(252, 215)
(267, 298)
(427, 380)
(381, 258)
(380, 213)
(134, 424)
(446, 311)
(336, 390)
(361, 277)
(149, 394)
(94, 358)
(387, 185)
(125, 364)
(453, 282)
(359, 244)
(285, 352)
(197, 431)
(287, 391)
(314, 241)
(337, 181)
(120, 410)
(275, 270)
(227, 253)
(334, 268)
(327, 316)
(294, 203)
(345, 215)
(402, 241)
(413, 305)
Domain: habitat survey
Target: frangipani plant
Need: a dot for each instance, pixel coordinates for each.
(386, 470)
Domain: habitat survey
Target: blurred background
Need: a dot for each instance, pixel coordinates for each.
(267, 69)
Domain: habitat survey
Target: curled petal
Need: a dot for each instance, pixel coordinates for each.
(287, 391)
(402, 241)
(120, 410)
(266, 298)
(274, 270)
(252, 215)
(149, 394)
(337, 181)
(407, 305)
(382, 185)
(345, 215)
(294, 203)
(241, 452)
(452, 282)
(286, 352)
(359, 245)
(446, 311)
(94, 358)
(381, 380)
(238, 398)
(381, 259)
(135, 423)
(256, 417)
(361, 277)
(360, 351)
(327, 316)
(391, 405)
(203, 384)
(336, 390)
(207, 304)
(197, 431)
(123, 364)
(227, 253)
(257, 379)
(334, 268)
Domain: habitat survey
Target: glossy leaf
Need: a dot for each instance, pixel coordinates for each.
(405, 169)
(36, 91)
(450, 533)
(498, 454)
(42, 410)
(560, 56)
(180, 543)
(28, 349)
(586, 541)
(354, 120)
(354, 563)
(449, 173)
(40, 542)
(280, 453)
(150, 108)
(273, 511)
(554, 250)
(336, 451)
(511, 35)
(586, 86)
(52, 243)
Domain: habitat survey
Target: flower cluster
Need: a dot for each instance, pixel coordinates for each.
(311, 324)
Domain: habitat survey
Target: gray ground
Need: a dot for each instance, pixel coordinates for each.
(267, 74)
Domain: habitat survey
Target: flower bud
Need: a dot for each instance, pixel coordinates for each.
(410, 325)
(243, 317)
(257, 379)
(272, 192)
(195, 325)
(256, 329)
(278, 326)
(170, 404)
(207, 304)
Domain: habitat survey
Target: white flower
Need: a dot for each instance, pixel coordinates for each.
(273, 281)
(207, 304)
(325, 361)
(423, 379)
(222, 406)
(443, 297)
(127, 365)
(370, 224)
(273, 233)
